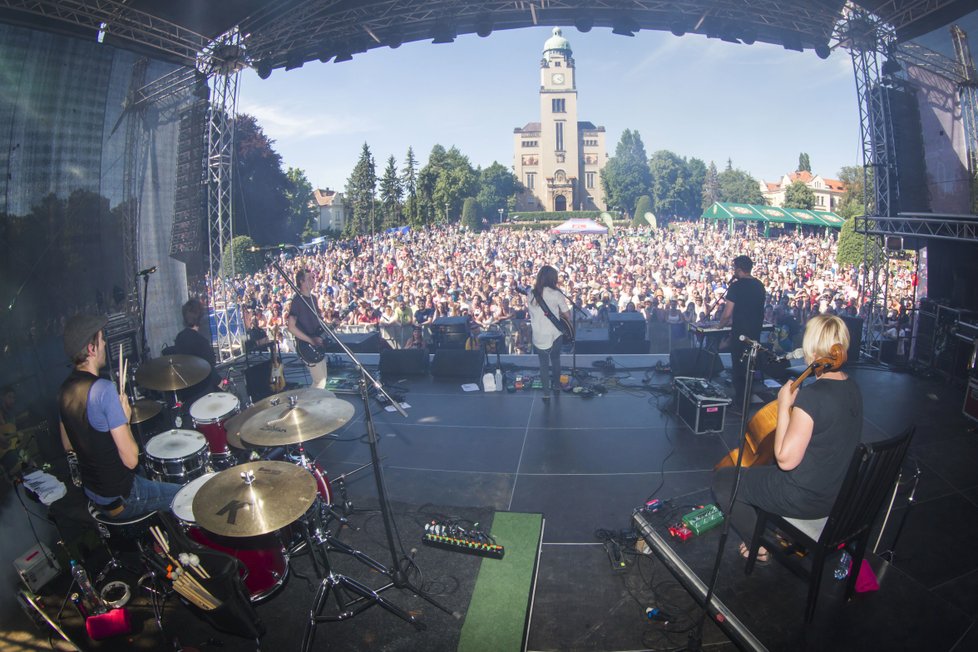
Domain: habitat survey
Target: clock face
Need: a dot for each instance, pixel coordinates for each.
(557, 78)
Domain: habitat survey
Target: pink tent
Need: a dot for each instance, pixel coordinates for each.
(579, 225)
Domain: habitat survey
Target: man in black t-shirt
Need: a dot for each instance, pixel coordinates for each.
(190, 341)
(744, 313)
(303, 322)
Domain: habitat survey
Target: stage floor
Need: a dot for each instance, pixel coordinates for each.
(586, 463)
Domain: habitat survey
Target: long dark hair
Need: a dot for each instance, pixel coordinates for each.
(546, 278)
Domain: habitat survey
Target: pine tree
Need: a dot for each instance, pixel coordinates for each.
(390, 195)
(804, 165)
(409, 185)
(711, 186)
(361, 189)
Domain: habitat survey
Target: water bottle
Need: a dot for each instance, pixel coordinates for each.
(499, 380)
(842, 570)
(89, 596)
(74, 469)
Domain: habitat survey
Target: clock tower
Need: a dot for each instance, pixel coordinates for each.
(559, 158)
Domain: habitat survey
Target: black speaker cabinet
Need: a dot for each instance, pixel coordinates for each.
(458, 363)
(403, 362)
(855, 326)
(258, 380)
(695, 362)
(450, 332)
(626, 330)
(368, 342)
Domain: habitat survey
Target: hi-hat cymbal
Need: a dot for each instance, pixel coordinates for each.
(254, 498)
(172, 372)
(233, 425)
(285, 424)
(144, 409)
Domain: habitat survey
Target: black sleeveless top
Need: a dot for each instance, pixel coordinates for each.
(102, 470)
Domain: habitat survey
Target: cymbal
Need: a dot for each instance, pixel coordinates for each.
(144, 409)
(254, 498)
(233, 425)
(284, 424)
(172, 372)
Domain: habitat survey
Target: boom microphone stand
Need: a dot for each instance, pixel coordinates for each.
(696, 634)
(333, 582)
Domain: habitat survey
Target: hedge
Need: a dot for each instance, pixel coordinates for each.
(560, 216)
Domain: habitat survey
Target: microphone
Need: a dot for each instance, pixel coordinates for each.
(147, 271)
(275, 247)
(797, 354)
(744, 338)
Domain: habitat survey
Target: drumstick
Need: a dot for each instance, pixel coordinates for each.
(120, 368)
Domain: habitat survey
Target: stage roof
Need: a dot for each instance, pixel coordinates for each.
(288, 33)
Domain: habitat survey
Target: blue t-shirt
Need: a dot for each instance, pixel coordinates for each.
(104, 409)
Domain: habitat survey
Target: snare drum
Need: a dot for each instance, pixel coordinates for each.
(210, 413)
(265, 563)
(176, 456)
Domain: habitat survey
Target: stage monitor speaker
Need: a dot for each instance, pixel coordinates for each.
(855, 326)
(458, 363)
(695, 363)
(627, 328)
(368, 342)
(403, 362)
(258, 380)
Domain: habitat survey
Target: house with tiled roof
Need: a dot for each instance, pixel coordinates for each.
(828, 192)
(331, 209)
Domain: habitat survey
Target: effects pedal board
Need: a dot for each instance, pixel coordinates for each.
(703, 519)
(470, 546)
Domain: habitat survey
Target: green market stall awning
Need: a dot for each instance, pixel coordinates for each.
(771, 215)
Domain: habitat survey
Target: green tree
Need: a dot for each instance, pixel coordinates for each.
(497, 185)
(260, 202)
(302, 213)
(804, 164)
(626, 175)
(361, 189)
(409, 184)
(670, 184)
(390, 195)
(799, 195)
(854, 246)
(711, 187)
(642, 206)
(696, 175)
(470, 214)
(245, 261)
(454, 180)
(738, 187)
(853, 201)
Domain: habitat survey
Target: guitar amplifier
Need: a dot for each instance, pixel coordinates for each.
(700, 404)
(970, 408)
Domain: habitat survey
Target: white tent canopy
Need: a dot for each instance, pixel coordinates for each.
(579, 225)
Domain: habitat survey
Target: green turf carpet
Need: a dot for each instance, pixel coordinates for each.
(497, 615)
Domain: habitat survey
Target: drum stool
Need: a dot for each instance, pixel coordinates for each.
(113, 533)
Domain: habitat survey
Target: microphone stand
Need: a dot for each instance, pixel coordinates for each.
(395, 573)
(142, 319)
(696, 634)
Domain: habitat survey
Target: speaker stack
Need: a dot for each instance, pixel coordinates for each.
(451, 332)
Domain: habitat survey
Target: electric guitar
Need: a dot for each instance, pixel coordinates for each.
(310, 353)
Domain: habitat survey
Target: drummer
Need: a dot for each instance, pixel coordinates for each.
(95, 425)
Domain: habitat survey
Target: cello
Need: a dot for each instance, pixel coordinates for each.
(759, 444)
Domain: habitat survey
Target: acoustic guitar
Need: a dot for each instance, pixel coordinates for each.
(759, 445)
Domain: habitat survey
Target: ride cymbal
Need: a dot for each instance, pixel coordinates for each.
(254, 498)
(233, 425)
(283, 425)
(172, 372)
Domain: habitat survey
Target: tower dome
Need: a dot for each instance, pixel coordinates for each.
(557, 42)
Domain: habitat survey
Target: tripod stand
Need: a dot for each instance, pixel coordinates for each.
(330, 581)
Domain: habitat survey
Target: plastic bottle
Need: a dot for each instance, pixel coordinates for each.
(89, 596)
(499, 380)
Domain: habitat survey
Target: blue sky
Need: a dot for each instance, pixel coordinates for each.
(760, 105)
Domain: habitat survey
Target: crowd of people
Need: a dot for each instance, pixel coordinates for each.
(678, 275)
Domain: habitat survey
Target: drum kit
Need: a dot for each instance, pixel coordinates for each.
(262, 511)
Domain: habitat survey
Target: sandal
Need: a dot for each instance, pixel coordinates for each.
(763, 556)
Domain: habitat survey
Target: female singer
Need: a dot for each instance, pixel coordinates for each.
(819, 426)
(545, 335)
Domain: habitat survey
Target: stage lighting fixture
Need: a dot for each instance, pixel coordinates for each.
(484, 25)
(443, 33)
(394, 39)
(890, 67)
(792, 42)
(624, 26)
(343, 56)
(823, 51)
(294, 60)
(748, 35)
(325, 54)
(584, 22)
(677, 28)
(264, 69)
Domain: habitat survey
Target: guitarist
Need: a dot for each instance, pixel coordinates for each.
(744, 313)
(818, 428)
(546, 335)
(303, 323)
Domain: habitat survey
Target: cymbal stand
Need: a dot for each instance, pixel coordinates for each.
(333, 582)
(695, 637)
